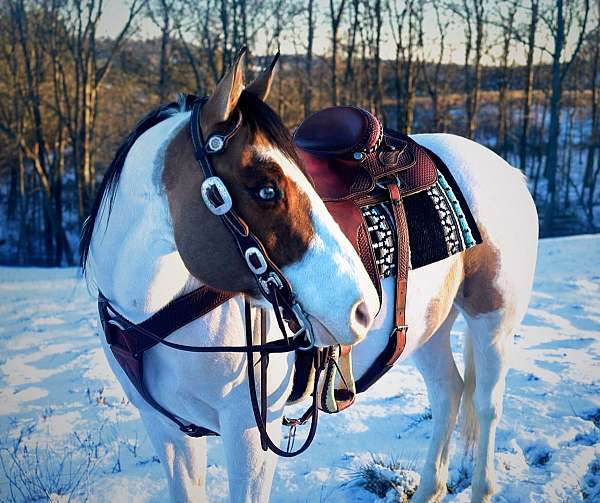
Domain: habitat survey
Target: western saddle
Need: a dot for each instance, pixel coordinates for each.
(355, 165)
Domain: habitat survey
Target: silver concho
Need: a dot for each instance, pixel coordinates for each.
(215, 143)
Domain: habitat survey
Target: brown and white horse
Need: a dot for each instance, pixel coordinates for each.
(161, 242)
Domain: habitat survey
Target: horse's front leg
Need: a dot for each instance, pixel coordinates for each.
(182, 457)
(444, 388)
(250, 469)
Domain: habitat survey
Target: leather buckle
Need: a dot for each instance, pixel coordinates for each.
(216, 196)
(272, 279)
(305, 327)
(256, 260)
(399, 328)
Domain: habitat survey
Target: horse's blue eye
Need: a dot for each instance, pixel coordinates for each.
(267, 193)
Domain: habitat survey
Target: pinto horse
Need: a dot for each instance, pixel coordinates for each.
(150, 240)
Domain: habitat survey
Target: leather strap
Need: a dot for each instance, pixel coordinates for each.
(128, 341)
(397, 340)
(170, 318)
(270, 280)
(260, 411)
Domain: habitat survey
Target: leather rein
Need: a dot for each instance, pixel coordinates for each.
(129, 341)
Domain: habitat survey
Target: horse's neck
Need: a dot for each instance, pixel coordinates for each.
(133, 259)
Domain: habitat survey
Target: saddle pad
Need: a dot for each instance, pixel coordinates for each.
(440, 224)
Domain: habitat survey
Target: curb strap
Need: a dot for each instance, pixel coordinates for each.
(397, 340)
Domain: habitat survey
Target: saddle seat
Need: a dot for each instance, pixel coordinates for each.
(348, 155)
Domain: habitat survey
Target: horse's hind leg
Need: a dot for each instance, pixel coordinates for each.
(496, 291)
(444, 387)
(183, 458)
(485, 368)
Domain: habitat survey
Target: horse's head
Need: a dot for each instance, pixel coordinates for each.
(271, 192)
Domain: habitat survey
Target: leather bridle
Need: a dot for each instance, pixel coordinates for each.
(271, 283)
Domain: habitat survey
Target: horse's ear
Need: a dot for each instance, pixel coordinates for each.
(223, 101)
(262, 85)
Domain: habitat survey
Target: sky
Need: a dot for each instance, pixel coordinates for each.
(116, 12)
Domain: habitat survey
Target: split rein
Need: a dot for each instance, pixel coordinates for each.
(273, 286)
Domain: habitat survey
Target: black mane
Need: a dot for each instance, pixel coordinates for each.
(257, 115)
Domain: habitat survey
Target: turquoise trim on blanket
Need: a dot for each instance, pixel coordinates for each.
(466, 232)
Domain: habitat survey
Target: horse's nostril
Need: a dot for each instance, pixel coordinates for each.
(362, 316)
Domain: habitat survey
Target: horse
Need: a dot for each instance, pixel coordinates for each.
(150, 240)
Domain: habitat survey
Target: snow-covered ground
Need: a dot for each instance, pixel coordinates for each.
(65, 426)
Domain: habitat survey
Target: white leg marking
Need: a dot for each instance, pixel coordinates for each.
(183, 458)
(490, 338)
(250, 469)
(436, 364)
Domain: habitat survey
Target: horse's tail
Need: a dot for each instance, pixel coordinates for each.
(469, 427)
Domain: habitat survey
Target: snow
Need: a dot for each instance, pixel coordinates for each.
(59, 401)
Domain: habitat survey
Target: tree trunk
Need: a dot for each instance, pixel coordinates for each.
(309, 58)
(595, 129)
(163, 69)
(554, 128)
(349, 85)
(335, 16)
(528, 86)
(400, 126)
(377, 63)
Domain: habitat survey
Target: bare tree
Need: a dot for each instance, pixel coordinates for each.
(437, 87)
(335, 16)
(560, 23)
(472, 13)
(310, 37)
(407, 32)
(90, 66)
(528, 92)
(349, 83)
(507, 22)
(161, 13)
(592, 167)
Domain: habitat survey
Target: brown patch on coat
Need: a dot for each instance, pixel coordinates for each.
(206, 246)
(480, 291)
(439, 307)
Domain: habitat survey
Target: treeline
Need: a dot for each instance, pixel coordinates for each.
(520, 77)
